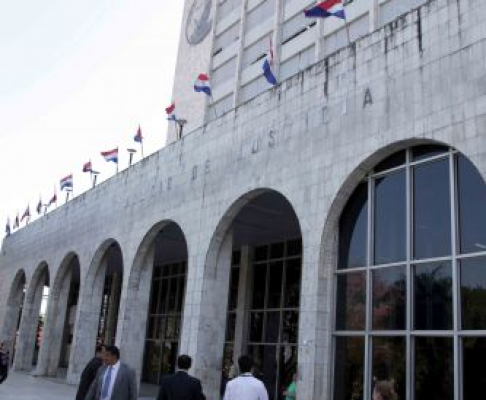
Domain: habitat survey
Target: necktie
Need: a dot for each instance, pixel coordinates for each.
(106, 384)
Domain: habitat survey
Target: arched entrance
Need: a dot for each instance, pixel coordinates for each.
(99, 304)
(155, 302)
(410, 279)
(54, 357)
(13, 314)
(32, 323)
(259, 244)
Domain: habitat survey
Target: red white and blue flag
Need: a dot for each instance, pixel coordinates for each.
(138, 136)
(87, 167)
(39, 206)
(16, 223)
(171, 112)
(327, 8)
(111, 155)
(52, 200)
(26, 214)
(268, 65)
(202, 84)
(67, 182)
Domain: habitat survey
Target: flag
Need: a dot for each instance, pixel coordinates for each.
(111, 155)
(170, 112)
(39, 206)
(202, 84)
(16, 222)
(87, 167)
(7, 227)
(138, 137)
(67, 182)
(267, 67)
(327, 8)
(26, 214)
(52, 200)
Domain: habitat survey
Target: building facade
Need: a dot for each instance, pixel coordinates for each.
(331, 226)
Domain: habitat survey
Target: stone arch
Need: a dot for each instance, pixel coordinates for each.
(27, 350)
(152, 250)
(258, 218)
(329, 253)
(60, 317)
(13, 313)
(104, 274)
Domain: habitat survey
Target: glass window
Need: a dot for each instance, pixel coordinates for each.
(348, 369)
(433, 296)
(427, 151)
(259, 286)
(474, 354)
(389, 298)
(472, 200)
(353, 230)
(275, 284)
(390, 218)
(393, 161)
(292, 283)
(389, 360)
(432, 210)
(434, 377)
(473, 293)
(351, 301)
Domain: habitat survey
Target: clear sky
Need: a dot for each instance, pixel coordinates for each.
(77, 77)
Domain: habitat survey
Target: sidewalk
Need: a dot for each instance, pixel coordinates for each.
(22, 386)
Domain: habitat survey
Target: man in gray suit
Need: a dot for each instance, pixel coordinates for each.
(115, 380)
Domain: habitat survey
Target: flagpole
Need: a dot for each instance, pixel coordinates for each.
(117, 160)
(141, 146)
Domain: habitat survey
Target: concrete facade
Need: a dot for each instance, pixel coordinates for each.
(419, 79)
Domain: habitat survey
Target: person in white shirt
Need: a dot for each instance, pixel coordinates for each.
(245, 386)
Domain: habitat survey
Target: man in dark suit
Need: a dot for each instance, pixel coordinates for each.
(4, 361)
(89, 373)
(115, 380)
(181, 386)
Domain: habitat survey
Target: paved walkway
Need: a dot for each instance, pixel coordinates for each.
(22, 386)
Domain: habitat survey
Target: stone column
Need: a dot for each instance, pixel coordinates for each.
(28, 330)
(244, 299)
(86, 326)
(203, 330)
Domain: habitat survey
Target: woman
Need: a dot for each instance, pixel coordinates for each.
(384, 390)
(290, 393)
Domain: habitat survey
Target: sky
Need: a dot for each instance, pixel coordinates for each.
(77, 77)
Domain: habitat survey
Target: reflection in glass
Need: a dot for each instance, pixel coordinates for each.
(389, 361)
(292, 283)
(432, 210)
(474, 354)
(389, 298)
(433, 296)
(390, 218)
(272, 327)
(473, 293)
(259, 286)
(290, 326)
(275, 284)
(348, 368)
(353, 227)
(434, 377)
(351, 301)
(472, 198)
(256, 327)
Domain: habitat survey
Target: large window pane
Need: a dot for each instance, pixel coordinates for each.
(390, 218)
(472, 200)
(474, 354)
(348, 368)
(431, 204)
(259, 286)
(292, 283)
(353, 230)
(473, 293)
(434, 377)
(351, 301)
(265, 366)
(275, 284)
(389, 298)
(389, 361)
(433, 296)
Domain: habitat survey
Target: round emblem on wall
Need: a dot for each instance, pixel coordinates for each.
(199, 21)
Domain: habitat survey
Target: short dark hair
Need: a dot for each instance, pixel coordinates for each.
(113, 350)
(184, 362)
(100, 348)
(245, 363)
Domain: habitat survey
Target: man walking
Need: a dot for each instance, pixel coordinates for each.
(245, 386)
(181, 386)
(4, 360)
(115, 380)
(89, 373)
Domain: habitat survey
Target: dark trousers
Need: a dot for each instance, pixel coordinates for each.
(3, 373)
